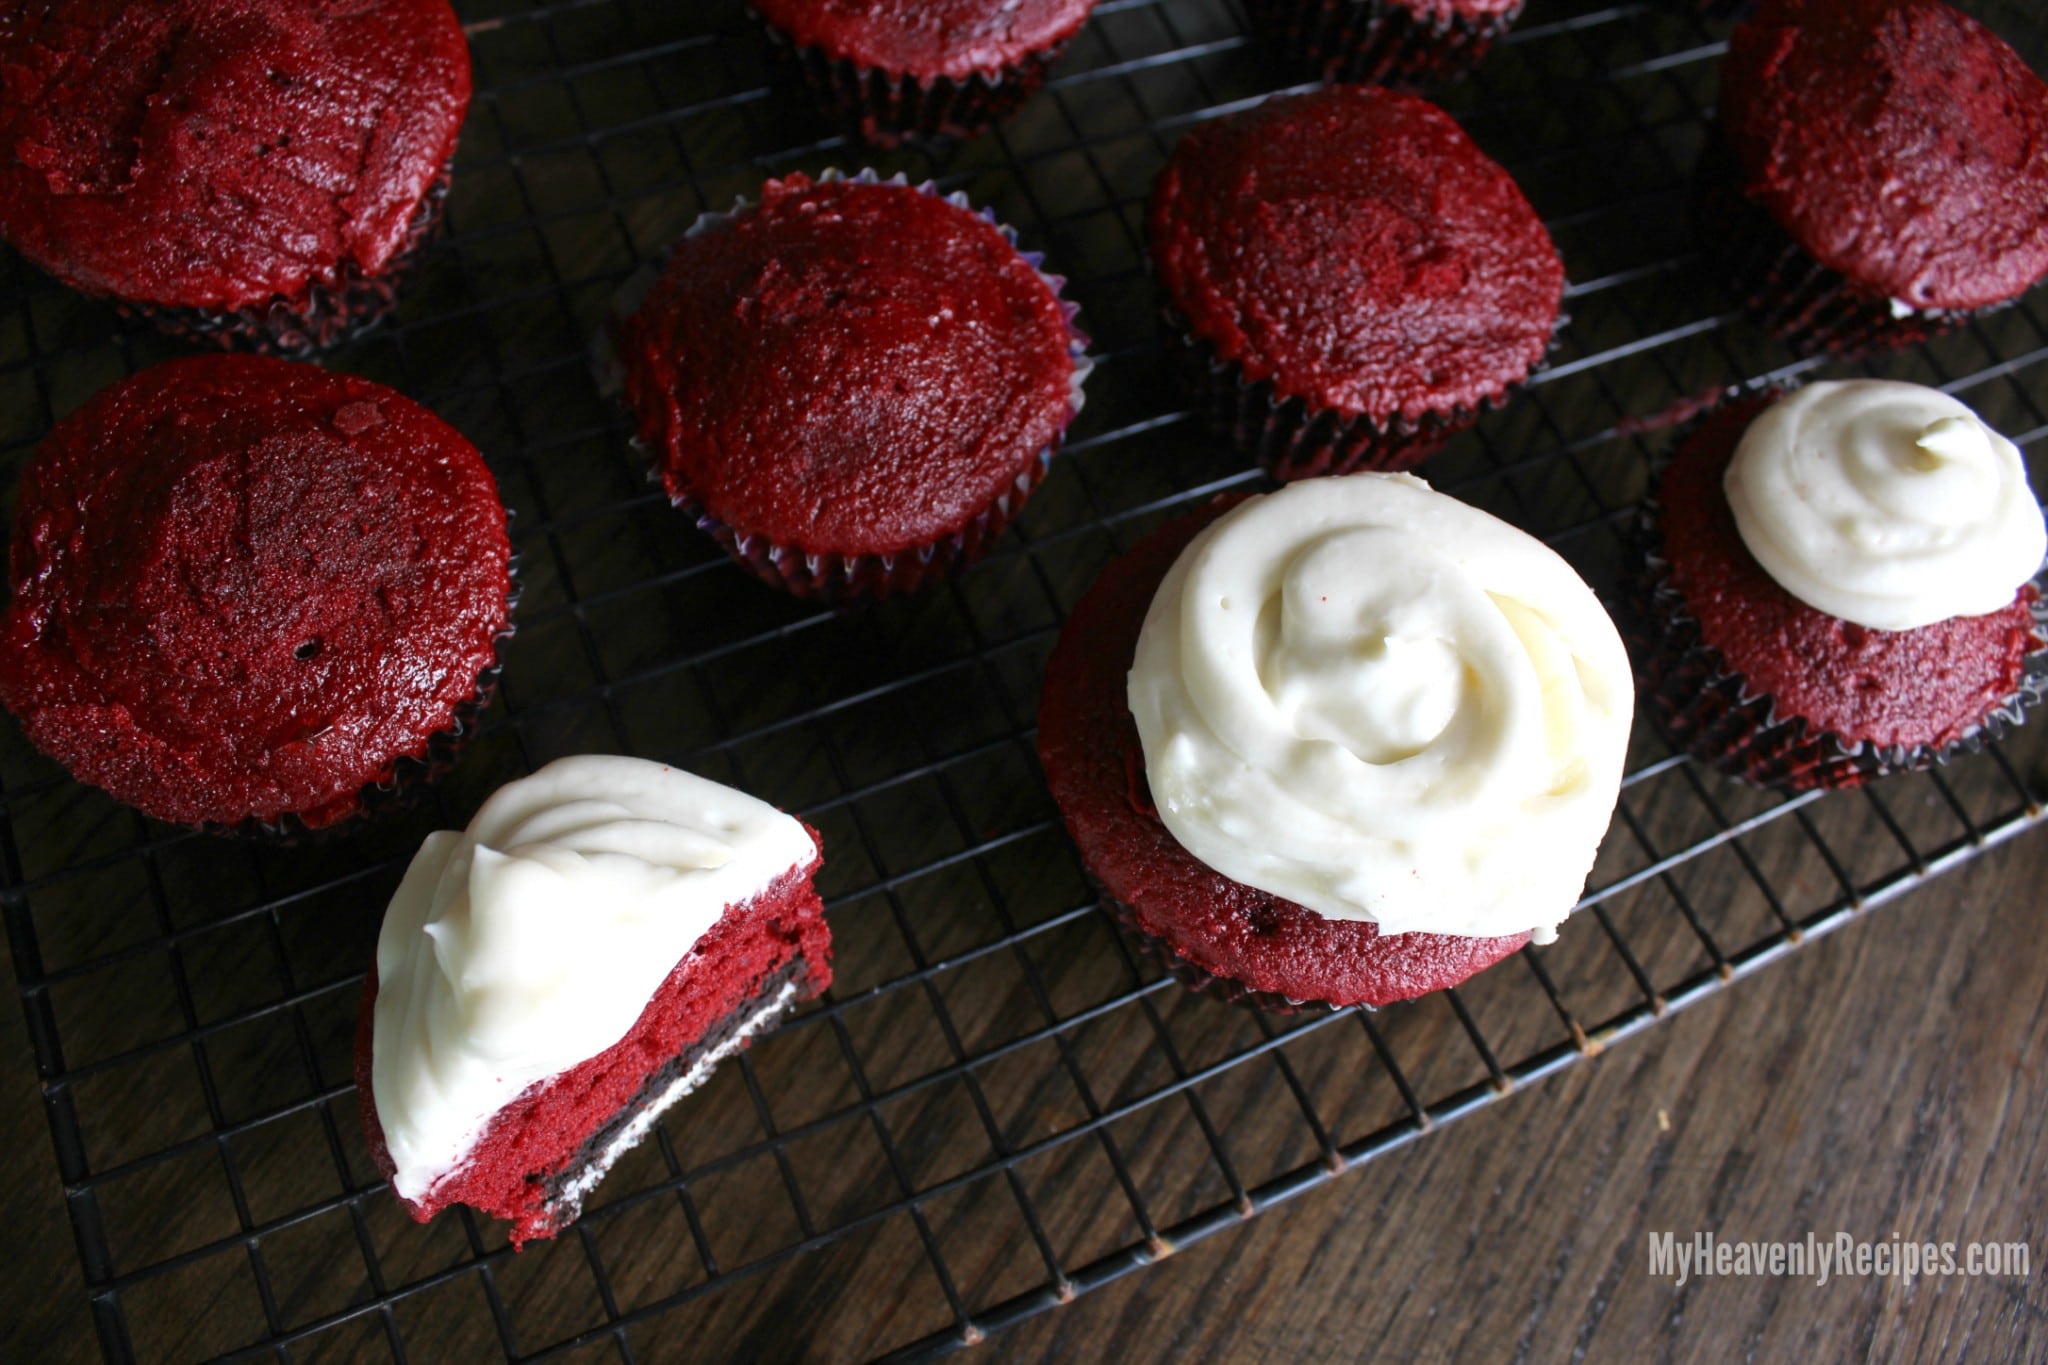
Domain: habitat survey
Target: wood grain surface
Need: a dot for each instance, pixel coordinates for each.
(1887, 1079)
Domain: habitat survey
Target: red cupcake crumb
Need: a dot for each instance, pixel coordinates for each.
(540, 1154)
(245, 589)
(1088, 745)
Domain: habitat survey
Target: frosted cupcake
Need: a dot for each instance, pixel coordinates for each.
(1346, 743)
(553, 978)
(1837, 584)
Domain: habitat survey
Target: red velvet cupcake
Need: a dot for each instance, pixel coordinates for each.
(1328, 755)
(247, 173)
(1392, 42)
(897, 69)
(248, 593)
(1880, 177)
(853, 384)
(1358, 281)
(1896, 643)
(554, 978)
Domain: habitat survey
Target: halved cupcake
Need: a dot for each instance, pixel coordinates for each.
(552, 979)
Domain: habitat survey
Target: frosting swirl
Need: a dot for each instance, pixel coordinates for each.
(533, 940)
(1886, 504)
(1382, 704)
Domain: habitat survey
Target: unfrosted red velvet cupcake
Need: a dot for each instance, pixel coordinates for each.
(1329, 755)
(1358, 281)
(1879, 174)
(1396, 42)
(549, 981)
(852, 384)
(1843, 660)
(896, 69)
(248, 173)
(249, 593)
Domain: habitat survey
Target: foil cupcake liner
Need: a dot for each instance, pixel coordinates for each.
(1229, 990)
(885, 109)
(411, 774)
(333, 310)
(1375, 41)
(1291, 439)
(1708, 710)
(850, 579)
(1811, 308)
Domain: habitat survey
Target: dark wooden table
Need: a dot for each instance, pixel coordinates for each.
(1886, 1080)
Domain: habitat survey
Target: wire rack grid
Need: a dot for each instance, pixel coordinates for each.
(998, 1107)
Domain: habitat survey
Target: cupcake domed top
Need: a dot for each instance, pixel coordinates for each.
(1354, 247)
(213, 153)
(1901, 142)
(242, 587)
(848, 367)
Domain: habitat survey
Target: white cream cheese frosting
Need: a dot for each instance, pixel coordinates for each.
(1886, 504)
(1382, 704)
(532, 941)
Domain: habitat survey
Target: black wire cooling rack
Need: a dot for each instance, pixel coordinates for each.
(998, 1107)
